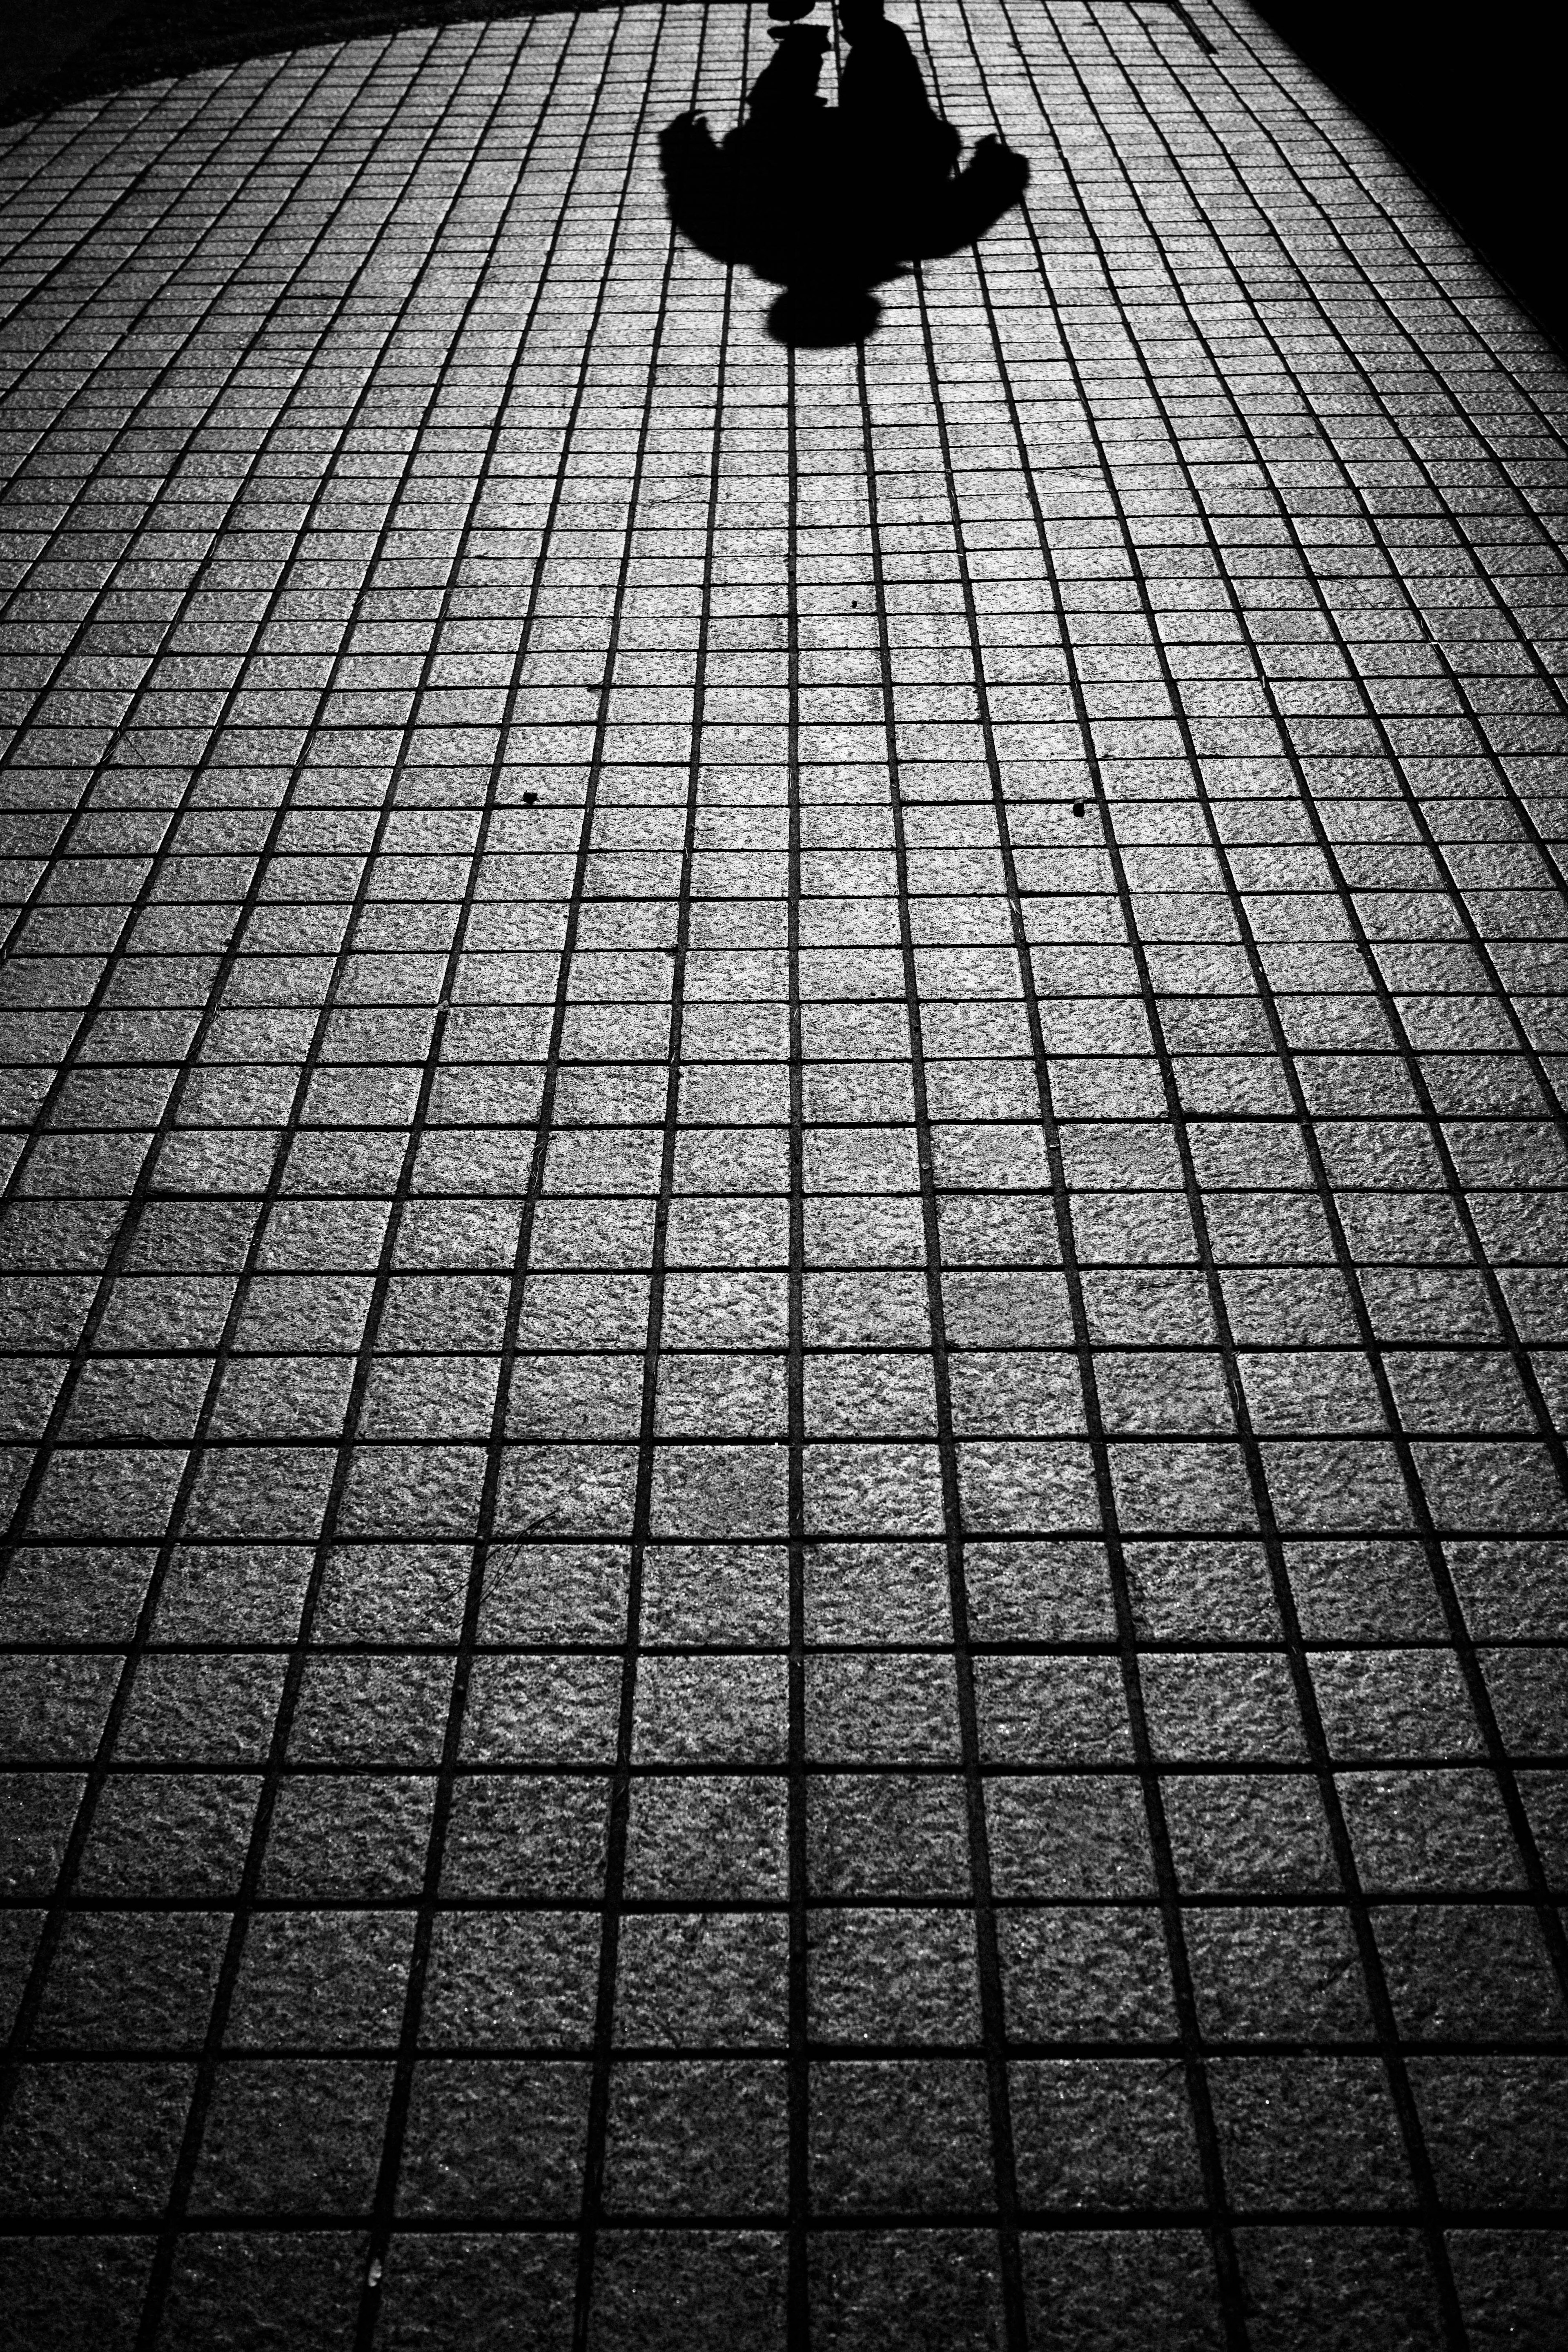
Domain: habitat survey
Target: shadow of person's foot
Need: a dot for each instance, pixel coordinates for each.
(829, 203)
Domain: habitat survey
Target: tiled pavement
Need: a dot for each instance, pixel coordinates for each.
(786, 1212)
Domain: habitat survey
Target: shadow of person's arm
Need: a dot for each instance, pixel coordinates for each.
(699, 188)
(989, 184)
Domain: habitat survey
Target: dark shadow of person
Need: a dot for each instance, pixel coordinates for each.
(829, 202)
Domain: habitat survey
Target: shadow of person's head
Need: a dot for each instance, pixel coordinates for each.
(821, 315)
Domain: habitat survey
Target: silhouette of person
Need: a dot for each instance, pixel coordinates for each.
(828, 202)
(882, 94)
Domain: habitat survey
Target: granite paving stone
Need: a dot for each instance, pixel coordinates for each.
(781, 1224)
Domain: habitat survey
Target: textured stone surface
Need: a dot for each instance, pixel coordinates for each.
(783, 1244)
